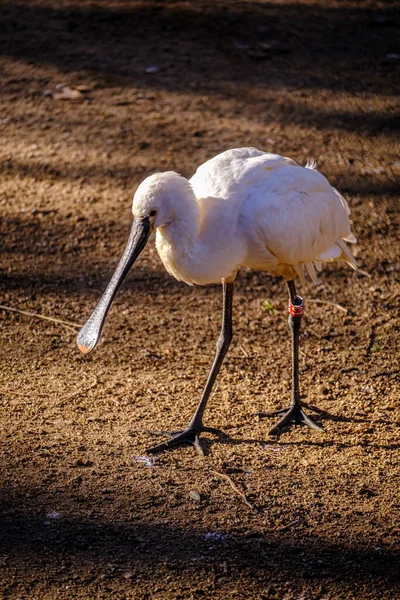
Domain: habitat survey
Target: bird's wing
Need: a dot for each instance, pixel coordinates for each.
(230, 175)
(299, 216)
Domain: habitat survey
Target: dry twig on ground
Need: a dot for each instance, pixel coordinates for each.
(235, 489)
(68, 324)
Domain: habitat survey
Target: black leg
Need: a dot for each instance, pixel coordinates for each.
(295, 412)
(191, 434)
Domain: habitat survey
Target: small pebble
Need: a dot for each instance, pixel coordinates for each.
(195, 496)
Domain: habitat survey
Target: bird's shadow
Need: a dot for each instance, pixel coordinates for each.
(207, 443)
(340, 418)
(322, 413)
(225, 438)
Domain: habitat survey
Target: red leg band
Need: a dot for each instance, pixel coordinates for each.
(296, 310)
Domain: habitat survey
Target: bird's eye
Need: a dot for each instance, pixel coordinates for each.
(153, 213)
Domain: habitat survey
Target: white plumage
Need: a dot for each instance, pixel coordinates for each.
(245, 208)
(242, 208)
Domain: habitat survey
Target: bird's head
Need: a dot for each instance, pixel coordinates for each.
(154, 205)
(158, 198)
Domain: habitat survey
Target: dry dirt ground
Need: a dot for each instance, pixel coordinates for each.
(166, 85)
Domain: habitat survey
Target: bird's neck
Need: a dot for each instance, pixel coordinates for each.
(197, 247)
(183, 231)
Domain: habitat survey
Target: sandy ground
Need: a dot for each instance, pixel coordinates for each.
(165, 85)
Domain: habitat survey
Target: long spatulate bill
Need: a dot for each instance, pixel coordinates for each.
(89, 335)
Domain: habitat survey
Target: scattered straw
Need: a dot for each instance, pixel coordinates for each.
(235, 489)
(68, 324)
(245, 353)
(288, 526)
(339, 306)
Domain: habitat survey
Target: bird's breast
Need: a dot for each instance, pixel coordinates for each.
(198, 263)
(173, 260)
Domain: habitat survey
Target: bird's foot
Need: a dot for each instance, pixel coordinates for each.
(295, 414)
(190, 435)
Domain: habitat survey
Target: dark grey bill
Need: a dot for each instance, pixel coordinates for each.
(90, 333)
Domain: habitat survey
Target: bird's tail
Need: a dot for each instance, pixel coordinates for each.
(310, 268)
(339, 251)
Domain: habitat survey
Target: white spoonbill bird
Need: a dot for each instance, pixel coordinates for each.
(246, 208)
